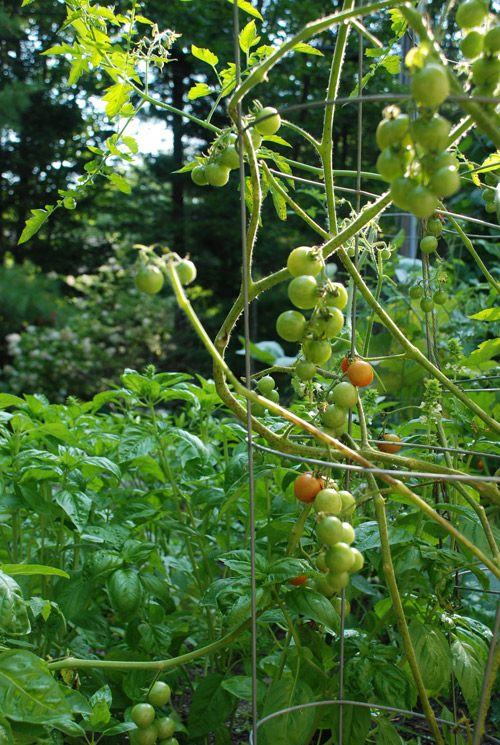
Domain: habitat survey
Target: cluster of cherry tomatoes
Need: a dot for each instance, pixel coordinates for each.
(223, 156)
(481, 45)
(428, 245)
(337, 559)
(326, 300)
(151, 729)
(150, 278)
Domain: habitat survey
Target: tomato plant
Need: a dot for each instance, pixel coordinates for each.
(305, 260)
(143, 715)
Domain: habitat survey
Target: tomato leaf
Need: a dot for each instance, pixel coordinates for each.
(205, 55)
(488, 349)
(307, 49)
(248, 37)
(248, 8)
(33, 224)
(311, 604)
(288, 728)
(241, 687)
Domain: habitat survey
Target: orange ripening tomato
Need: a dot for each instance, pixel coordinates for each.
(392, 444)
(360, 373)
(299, 580)
(307, 486)
(345, 364)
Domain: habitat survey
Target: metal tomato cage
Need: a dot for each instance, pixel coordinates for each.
(348, 468)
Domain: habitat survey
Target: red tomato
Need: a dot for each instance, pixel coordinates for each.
(299, 580)
(345, 364)
(307, 486)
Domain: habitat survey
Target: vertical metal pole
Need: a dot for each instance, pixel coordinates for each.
(248, 373)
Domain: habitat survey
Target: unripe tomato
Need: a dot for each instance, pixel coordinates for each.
(144, 736)
(348, 533)
(430, 86)
(149, 279)
(422, 202)
(165, 727)
(303, 291)
(359, 561)
(142, 715)
(440, 297)
(317, 352)
(266, 385)
(229, 158)
(186, 271)
(471, 13)
(416, 291)
(392, 443)
(391, 131)
(492, 40)
(434, 227)
(299, 580)
(360, 373)
(391, 165)
(337, 604)
(445, 181)
(305, 370)
(348, 502)
(274, 396)
(486, 71)
(321, 585)
(291, 325)
(159, 695)
(329, 326)
(270, 125)
(428, 244)
(199, 176)
(471, 45)
(217, 174)
(337, 580)
(427, 304)
(339, 558)
(431, 134)
(329, 530)
(307, 486)
(328, 500)
(336, 296)
(334, 416)
(400, 192)
(305, 260)
(320, 562)
(344, 394)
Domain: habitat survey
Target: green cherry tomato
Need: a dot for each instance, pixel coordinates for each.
(336, 296)
(291, 325)
(427, 304)
(490, 207)
(229, 158)
(430, 86)
(391, 131)
(305, 370)
(334, 416)
(471, 45)
(422, 202)
(337, 604)
(492, 40)
(159, 695)
(303, 292)
(266, 385)
(337, 580)
(400, 192)
(329, 326)
(270, 125)
(199, 176)
(486, 71)
(428, 244)
(186, 271)
(317, 352)
(142, 715)
(359, 561)
(348, 502)
(416, 292)
(339, 557)
(320, 562)
(169, 741)
(445, 181)
(391, 165)
(431, 134)
(165, 727)
(434, 227)
(440, 297)
(329, 531)
(471, 13)
(328, 500)
(149, 279)
(305, 260)
(217, 174)
(348, 533)
(344, 394)
(144, 736)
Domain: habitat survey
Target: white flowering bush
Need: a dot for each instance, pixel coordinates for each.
(107, 326)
